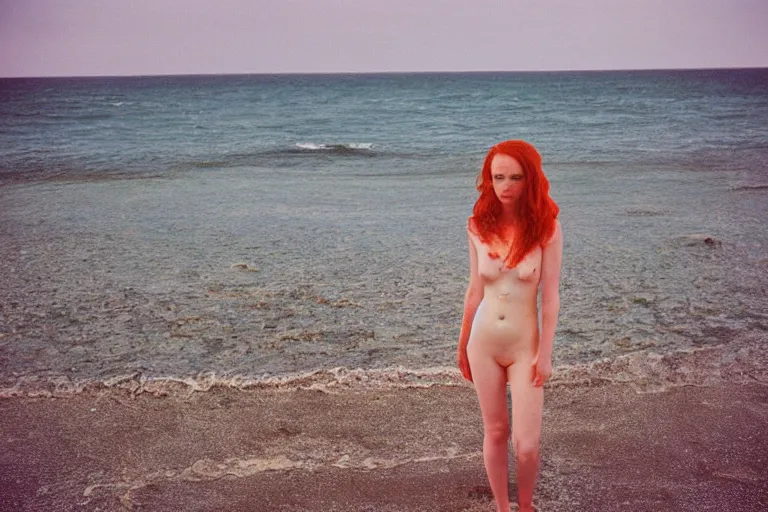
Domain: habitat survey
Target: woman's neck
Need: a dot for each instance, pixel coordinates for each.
(508, 223)
(508, 217)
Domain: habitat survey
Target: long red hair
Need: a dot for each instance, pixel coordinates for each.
(536, 211)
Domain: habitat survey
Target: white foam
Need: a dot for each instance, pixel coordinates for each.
(741, 361)
(331, 380)
(208, 469)
(360, 145)
(311, 146)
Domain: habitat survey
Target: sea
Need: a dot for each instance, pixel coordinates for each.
(299, 230)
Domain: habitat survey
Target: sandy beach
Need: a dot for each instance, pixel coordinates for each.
(245, 293)
(605, 447)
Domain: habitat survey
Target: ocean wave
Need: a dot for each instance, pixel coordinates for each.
(78, 116)
(328, 380)
(743, 361)
(211, 164)
(748, 187)
(289, 155)
(652, 372)
(336, 148)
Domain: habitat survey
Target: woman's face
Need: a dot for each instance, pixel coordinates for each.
(508, 178)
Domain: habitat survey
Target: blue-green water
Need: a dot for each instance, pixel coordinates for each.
(125, 203)
(698, 120)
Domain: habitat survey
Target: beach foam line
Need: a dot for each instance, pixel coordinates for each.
(242, 467)
(327, 380)
(652, 372)
(201, 470)
(744, 360)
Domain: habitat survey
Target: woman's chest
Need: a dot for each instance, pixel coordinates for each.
(491, 264)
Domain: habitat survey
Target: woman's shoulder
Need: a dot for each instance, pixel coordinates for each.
(472, 225)
(557, 234)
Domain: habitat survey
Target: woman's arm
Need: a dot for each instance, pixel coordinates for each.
(552, 259)
(472, 300)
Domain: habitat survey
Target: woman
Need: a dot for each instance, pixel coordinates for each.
(515, 247)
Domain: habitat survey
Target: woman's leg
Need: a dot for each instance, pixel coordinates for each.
(490, 381)
(527, 407)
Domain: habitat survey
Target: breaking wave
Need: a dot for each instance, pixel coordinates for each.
(748, 187)
(353, 147)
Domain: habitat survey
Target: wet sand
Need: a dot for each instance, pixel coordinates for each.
(605, 447)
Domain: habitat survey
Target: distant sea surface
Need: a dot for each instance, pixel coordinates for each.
(694, 120)
(268, 225)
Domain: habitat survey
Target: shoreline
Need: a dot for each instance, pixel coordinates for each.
(741, 361)
(608, 447)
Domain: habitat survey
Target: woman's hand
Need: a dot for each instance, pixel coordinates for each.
(464, 363)
(542, 370)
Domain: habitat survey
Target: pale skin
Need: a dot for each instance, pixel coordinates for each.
(506, 345)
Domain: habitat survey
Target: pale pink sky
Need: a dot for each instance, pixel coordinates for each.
(138, 37)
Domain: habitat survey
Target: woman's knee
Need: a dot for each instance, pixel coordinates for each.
(526, 447)
(497, 431)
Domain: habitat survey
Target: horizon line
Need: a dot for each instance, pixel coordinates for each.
(338, 73)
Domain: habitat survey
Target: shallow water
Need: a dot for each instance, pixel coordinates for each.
(291, 259)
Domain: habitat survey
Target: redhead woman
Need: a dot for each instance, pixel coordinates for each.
(515, 249)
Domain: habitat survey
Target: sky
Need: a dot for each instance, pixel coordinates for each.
(150, 37)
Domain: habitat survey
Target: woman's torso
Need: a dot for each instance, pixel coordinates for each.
(506, 322)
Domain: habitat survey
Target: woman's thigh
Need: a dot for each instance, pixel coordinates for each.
(527, 405)
(490, 380)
